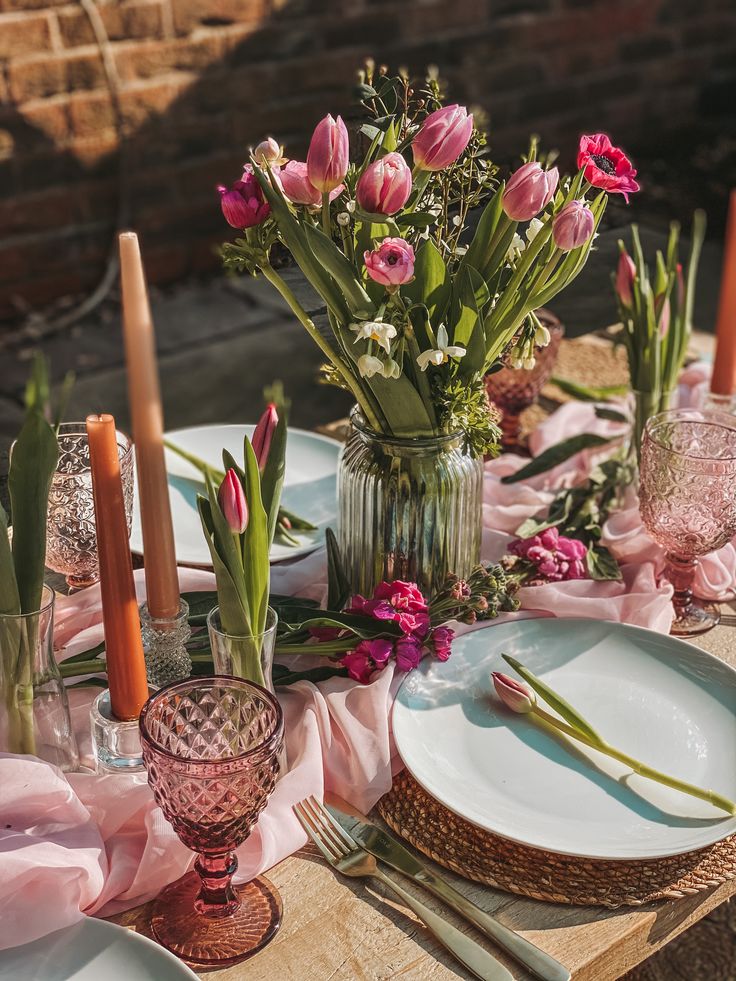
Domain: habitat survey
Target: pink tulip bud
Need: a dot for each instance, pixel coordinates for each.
(243, 205)
(385, 185)
(512, 693)
(573, 226)
(391, 264)
(662, 308)
(263, 434)
(297, 187)
(680, 287)
(231, 498)
(443, 136)
(625, 279)
(328, 156)
(529, 190)
(268, 152)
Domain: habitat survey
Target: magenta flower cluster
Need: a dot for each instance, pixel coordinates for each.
(404, 604)
(555, 557)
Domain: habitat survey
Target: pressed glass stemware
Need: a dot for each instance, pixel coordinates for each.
(211, 747)
(687, 499)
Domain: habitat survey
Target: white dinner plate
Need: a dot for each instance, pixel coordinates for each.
(310, 487)
(92, 950)
(658, 699)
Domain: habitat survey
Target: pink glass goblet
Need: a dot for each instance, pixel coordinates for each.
(211, 747)
(514, 389)
(687, 499)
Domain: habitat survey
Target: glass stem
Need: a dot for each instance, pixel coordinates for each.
(217, 897)
(680, 572)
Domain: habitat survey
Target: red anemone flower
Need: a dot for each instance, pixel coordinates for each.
(606, 166)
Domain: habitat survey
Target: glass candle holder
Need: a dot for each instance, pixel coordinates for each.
(164, 646)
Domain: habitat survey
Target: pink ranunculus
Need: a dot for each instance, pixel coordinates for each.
(555, 557)
(573, 226)
(408, 653)
(625, 278)
(263, 434)
(442, 638)
(391, 264)
(529, 190)
(606, 166)
(243, 204)
(299, 189)
(385, 185)
(359, 664)
(231, 498)
(513, 693)
(328, 156)
(443, 136)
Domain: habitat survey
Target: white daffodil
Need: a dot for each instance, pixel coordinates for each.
(541, 336)
(535, 226)
(375, 330)
(368, 366)
(391, 369)
(443, 352)
(517, 245)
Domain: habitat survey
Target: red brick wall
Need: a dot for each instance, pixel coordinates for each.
(203, 78)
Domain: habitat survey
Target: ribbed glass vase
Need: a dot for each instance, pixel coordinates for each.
(407, 508)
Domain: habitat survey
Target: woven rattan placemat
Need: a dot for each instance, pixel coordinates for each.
(476, 854)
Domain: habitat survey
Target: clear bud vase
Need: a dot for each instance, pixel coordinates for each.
(34, 719)
(642, 406)
(250, 658)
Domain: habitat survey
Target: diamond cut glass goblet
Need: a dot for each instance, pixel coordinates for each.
(687, 499)
(211, 747)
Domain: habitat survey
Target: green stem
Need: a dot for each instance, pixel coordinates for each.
(326, 225)
(76, 668)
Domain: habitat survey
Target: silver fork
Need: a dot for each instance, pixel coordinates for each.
(346, 855)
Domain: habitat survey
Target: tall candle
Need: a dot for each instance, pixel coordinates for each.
(159, 556)
(723, 381)
(126, 666)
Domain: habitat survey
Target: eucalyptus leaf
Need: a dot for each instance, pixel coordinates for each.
(416, 219)
(555, 455)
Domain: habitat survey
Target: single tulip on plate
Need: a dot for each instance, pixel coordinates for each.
(231, 498)
(385, 185)
(529, 190)
(443, 136)
(512, 693)
(328, 156)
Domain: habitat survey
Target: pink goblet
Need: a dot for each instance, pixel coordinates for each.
(211, 747)
(687, 499)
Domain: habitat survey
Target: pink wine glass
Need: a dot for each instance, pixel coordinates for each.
(211, 747)
(687, 499)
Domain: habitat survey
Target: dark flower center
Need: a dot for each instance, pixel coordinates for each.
(603, 163)
(392, 259)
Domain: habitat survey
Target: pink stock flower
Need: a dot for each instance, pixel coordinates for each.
(529, 190)
(408, 653)
(243, 205)
(443, 136)
(385, 185)
(298, 188)
(391, 264)
(360, 666)
(328, 156)
(231, 498)
(625, 279)
(402, 595)
(513, 693)
(263, 434)
(442, 638)
(556, 558)
(573, 226)
(606, 166)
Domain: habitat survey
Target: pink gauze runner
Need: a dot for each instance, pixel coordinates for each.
(81, 844)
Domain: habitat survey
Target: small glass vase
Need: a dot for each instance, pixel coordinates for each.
(642, 406)
(250, 658)
(407, 508)
(35, 712)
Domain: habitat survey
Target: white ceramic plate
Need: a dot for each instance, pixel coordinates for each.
(310, 487)
(92, 950)
(661, 700)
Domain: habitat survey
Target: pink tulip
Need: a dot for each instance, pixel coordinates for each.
(243, 205)
(268, 152)
(443, 136)
(328, 156)
(231, 498)
(625, 279)
(385, 185)
(512, 693)
(391, 264)
(573, 226)
(529, 190)
(298, 188)
(263, 434)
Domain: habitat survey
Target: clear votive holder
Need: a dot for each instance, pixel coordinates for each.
(165, 646)
(719, 403)
(116, 743)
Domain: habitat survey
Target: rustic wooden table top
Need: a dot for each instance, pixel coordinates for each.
(338, 929)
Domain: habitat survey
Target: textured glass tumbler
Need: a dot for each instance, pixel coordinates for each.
(244, 657)
(71, 539)
(211, 747)
(407, 508)
(687, 499)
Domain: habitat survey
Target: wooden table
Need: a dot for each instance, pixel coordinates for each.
(338, 929)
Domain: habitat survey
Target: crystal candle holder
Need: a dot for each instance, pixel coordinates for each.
(116, 743)
(164, 646)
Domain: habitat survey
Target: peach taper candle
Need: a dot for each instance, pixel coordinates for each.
(723, 381)
(159, 556)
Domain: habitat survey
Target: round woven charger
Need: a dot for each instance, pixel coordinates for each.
(484, 857)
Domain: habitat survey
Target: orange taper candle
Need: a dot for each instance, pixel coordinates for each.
(126, 665)
(159, 556)
(723, 381)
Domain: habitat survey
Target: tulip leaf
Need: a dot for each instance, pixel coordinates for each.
(272, 479)
(588, 393)
(555, 701)
(431, 284)
(338, 584)
(9, 598)
(233, 610)
(611, 415)
(282, 676)
(480, 248)
(555, 455)
(467, 327)
(338, 266)
(255, 543)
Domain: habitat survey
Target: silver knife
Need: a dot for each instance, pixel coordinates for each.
(384, 846)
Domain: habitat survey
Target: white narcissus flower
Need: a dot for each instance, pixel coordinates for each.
(541, 336)
(517, 245)
(391, 369)
(375, 330)
(442, 353)
(535, 226)
(368, 366)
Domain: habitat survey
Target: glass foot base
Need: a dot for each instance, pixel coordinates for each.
(82, 582)
(201, 940)
(696, 619)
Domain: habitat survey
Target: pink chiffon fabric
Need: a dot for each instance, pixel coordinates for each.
(81, 844)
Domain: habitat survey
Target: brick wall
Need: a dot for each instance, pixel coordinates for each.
(200, 79)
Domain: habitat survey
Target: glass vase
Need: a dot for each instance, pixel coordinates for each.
(244, 657)
(407, 508)
(35, 715)
(642, 406)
